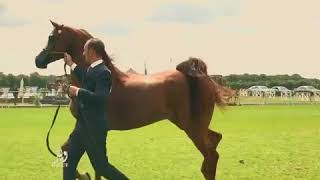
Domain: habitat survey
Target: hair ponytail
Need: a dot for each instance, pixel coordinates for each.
(107, 60)
(99, 48)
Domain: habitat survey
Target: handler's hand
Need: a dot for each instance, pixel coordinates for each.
(73, 91)
(68, 59)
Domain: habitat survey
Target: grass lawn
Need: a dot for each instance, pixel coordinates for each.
(272, 142)
(278, 100)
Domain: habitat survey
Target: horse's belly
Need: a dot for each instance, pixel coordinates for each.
(136, 109)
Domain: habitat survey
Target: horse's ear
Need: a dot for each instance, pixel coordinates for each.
(54, 24)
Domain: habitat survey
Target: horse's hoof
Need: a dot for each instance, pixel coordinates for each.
(85, 176)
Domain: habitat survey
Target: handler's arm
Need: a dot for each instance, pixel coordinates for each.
(101, 92)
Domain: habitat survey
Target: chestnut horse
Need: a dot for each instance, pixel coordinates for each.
(185, 96)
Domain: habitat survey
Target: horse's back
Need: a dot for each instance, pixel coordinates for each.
(152, 79)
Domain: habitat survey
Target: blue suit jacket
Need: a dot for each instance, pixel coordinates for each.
(92, 97)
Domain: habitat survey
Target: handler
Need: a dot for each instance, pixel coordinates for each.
(91, 128)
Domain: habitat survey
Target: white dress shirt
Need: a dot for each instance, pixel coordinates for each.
(94, 64)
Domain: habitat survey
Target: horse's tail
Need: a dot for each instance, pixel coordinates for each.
(202, 87)
(221, 94)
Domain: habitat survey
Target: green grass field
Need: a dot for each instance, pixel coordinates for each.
(274, 142)
(278, 100)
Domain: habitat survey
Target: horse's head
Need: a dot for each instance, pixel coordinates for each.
(59, 41)
(65, 39)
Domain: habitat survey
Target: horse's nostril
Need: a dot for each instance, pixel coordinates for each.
(39, 63)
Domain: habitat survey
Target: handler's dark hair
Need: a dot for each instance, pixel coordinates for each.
(98, 46)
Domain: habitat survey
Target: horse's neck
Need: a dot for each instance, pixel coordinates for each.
(117, 75)
(79, 38)
(77, 48)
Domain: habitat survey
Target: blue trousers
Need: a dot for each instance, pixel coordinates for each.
(94, 145)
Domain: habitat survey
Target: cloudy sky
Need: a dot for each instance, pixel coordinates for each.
(232, 36)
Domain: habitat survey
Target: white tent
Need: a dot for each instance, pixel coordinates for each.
(21, 90)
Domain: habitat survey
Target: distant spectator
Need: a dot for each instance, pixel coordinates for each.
(15, 94)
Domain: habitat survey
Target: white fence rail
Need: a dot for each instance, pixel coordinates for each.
(31, 97)
(34, 97)
(245, 97)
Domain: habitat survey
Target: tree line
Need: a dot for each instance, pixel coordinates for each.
(33, 79)
(245, 81)
(234, 81)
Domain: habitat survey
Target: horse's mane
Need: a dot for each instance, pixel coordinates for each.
(86, 32)
(110, 65)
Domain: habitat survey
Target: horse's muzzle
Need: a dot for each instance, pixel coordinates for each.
(41, 60)
(40, 65)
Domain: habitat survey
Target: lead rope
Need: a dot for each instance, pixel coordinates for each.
(66, 89)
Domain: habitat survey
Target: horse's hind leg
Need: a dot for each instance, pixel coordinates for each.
(209, 165)
(199, 140)
(206, 142)
(214, 138)
(198, 135)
